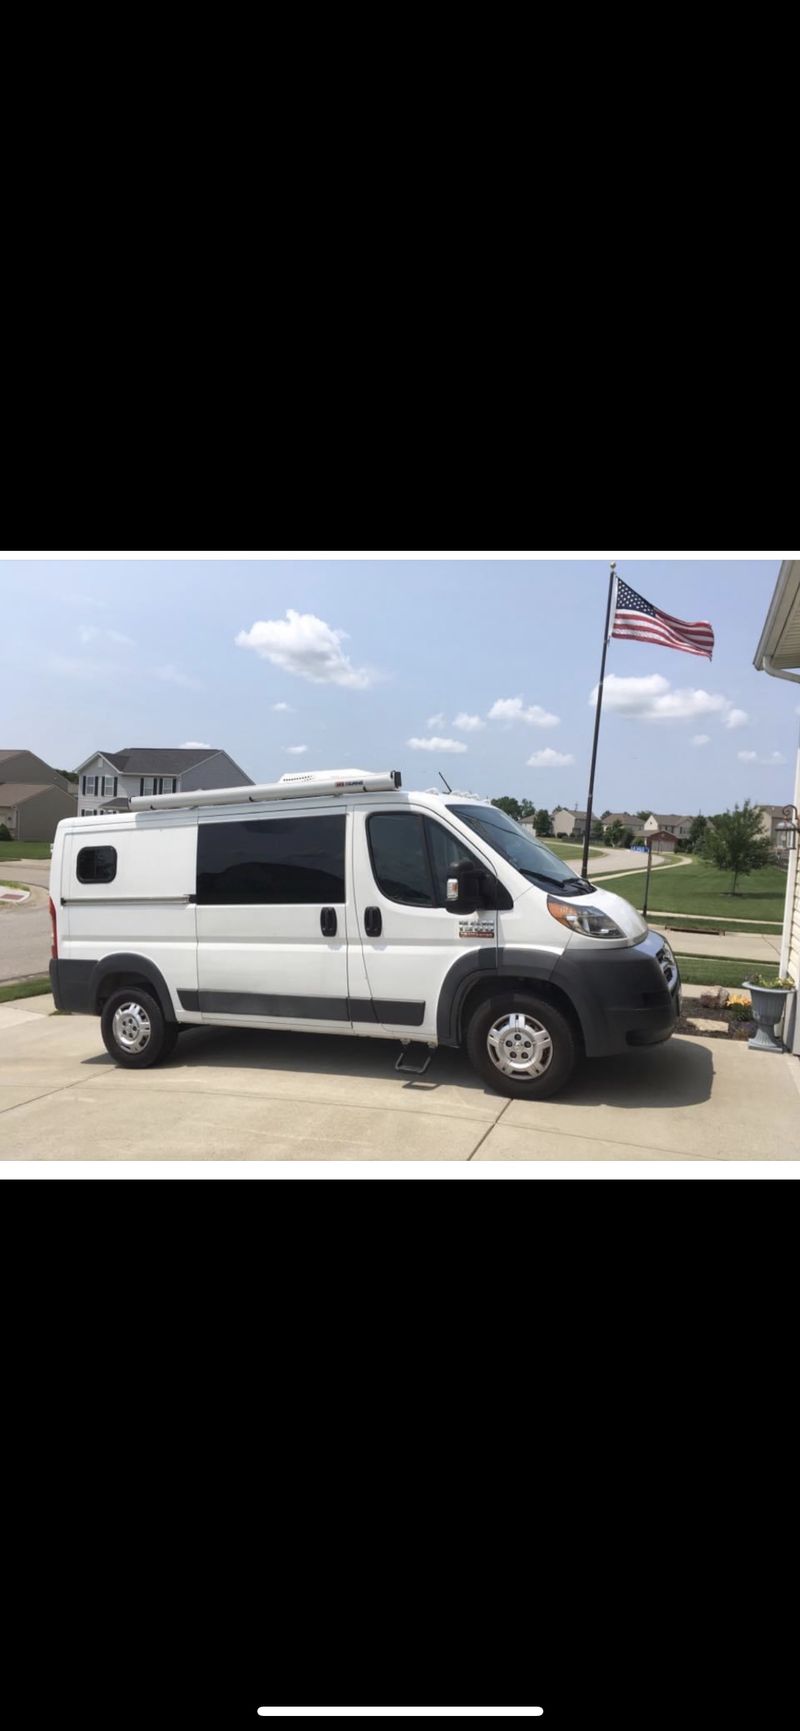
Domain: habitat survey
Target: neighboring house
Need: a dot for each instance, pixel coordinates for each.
(108, 779)
(771, 817)
(33, 797)
(569, 823)
(669, 822)
(25, 766)
(778, 654)
(660, 840)
(627, 819)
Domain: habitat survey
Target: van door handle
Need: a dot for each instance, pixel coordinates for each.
(327, 920)
(373, 924)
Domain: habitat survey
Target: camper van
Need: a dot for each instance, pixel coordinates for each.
(337, 902)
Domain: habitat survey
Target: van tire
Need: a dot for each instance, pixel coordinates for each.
(135, 1030)
(522, 1030)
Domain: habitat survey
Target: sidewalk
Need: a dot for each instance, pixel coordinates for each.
(748, 947)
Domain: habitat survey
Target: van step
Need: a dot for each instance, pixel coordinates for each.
(412, 1069)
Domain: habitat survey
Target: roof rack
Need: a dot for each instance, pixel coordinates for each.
(309, 784)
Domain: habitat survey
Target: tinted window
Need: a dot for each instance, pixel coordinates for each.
(518, 846)
(96, 865)
(448, 852)
(399, 857)
(277, 859)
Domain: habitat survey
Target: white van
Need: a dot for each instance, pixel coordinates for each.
(335, 902)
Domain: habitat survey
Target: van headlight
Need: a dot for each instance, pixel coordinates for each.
(591, 922)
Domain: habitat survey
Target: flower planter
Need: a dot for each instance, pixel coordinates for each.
(769, 1003)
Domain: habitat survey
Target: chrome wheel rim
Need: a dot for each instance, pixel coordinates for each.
(520, 1047)
(131, 1027)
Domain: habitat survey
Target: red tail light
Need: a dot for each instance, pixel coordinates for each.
(54, 929)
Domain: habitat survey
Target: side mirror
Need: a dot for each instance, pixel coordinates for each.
(469, 889)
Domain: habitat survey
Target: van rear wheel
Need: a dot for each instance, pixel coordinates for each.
(521, 1045)
(135, 1031)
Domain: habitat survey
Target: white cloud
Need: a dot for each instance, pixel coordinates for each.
(549, 759)
(652, 699)
(173, 676)
(296, 750)
(305, 645)
(468, 723)
(90, 634)
(513, 709)
(283, 709)
(435, 721)
(774, 758)
(436, 744)
(701, 739)
(74, 667)
(195, 745)
(736, 718)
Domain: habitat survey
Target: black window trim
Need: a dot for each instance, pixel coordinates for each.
(95, 848)
(261, 821)
(425, 818)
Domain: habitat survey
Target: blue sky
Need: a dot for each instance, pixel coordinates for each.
(355, 660)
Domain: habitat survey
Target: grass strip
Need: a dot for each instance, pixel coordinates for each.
(714, 971)
(24, 989)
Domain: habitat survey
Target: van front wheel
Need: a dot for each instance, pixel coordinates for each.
(134, 1029)
(521, 1045)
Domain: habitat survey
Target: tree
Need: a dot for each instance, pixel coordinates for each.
(734, 841)
(697, 834)
(508, 805)
(526, 808)
(643, 815)
(614, 835)
(543, 822)
(68, 774)
(597, 830)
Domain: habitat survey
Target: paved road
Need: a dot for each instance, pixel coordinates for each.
(24, 935)
(230, 1094)
(620, 859)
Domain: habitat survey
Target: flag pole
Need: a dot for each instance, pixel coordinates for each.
(599, 705)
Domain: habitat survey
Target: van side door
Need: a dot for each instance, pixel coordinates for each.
(272, 918)
(410, 936)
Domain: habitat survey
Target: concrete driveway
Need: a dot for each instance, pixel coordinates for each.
(230, 1095)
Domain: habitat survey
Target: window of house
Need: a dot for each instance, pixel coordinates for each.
(148, 784)
(96, 865)
(277, 860)
(88, 783)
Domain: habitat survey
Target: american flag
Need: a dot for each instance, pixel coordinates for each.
(634, 617)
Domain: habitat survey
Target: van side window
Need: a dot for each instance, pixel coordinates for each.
(400, 858)
(447, 852)
(276, 860)
(96, 865)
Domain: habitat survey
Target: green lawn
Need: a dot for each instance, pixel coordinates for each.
(568, 849)
(24, 850)
(701, 889)
(709, 971)
(24, 989)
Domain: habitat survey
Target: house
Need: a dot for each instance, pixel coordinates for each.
(778, 654)
(660, 840)
(569, 823)
(627, 819)
(668, 821)
(33, 796)
(108, 779)
(771, 817)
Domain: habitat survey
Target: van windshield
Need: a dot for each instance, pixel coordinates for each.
(516, 844)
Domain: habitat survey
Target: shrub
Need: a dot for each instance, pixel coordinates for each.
(5, 833)
(771, 983)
